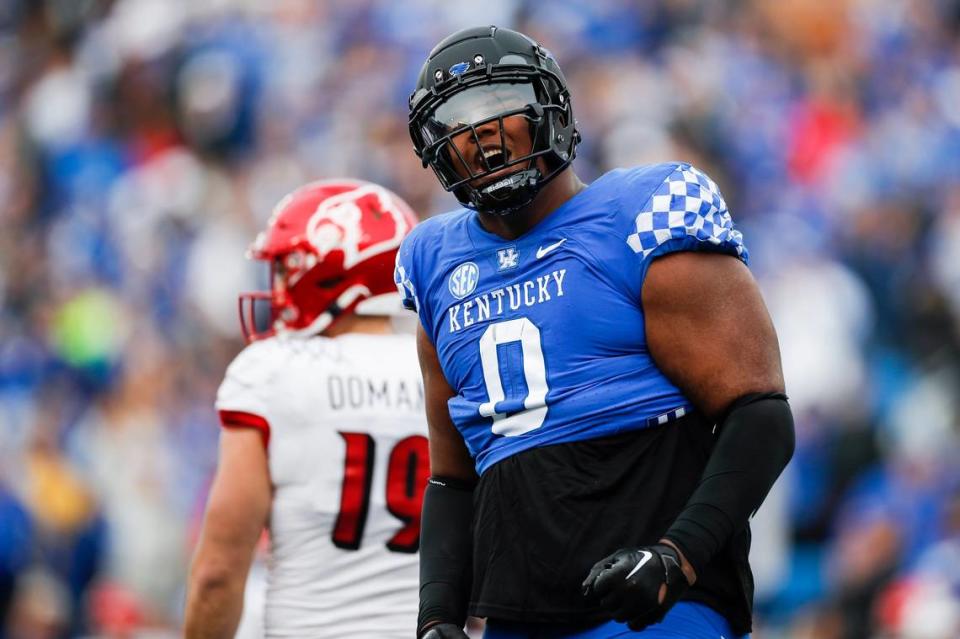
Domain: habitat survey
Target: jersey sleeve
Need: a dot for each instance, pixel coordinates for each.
(403, 278)
(685, 211)
(410, 274)
(243, 396)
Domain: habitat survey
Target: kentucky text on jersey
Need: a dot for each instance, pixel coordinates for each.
(513, 297)
(542, 337)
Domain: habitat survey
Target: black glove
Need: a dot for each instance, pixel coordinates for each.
(627, 584)
(444, 631)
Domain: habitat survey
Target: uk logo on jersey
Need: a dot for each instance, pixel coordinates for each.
(508, 258)
(463, 280)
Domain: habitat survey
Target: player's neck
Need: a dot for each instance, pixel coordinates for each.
(548, 200)
(368, 324)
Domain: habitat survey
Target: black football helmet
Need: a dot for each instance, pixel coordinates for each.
(475, 77)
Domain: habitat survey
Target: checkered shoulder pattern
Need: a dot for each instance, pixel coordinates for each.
(686, 204)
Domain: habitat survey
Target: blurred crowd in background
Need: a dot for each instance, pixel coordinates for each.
(144, 142)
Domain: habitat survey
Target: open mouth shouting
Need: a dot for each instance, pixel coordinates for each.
(489, 158)
(493, 160)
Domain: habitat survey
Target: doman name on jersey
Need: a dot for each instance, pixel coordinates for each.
(353, 393)
(513, 297)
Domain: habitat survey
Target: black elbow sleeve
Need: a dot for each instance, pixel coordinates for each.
(753, 447)
(446, 552)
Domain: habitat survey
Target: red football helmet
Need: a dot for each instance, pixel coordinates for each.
(331, 247)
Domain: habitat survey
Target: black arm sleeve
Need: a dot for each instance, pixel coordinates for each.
(446, 552)
(755, 443)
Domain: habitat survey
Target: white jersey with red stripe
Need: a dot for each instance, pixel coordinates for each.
(345, 431)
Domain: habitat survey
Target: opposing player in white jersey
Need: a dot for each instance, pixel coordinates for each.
(324, 440)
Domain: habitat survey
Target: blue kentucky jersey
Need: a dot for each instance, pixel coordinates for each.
(542, 337)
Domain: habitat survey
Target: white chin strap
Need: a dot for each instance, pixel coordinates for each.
(325, 319)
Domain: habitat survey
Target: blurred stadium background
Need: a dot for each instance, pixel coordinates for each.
(143, 143)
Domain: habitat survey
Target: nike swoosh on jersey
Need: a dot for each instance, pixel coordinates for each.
(647, 555)
(543, 250)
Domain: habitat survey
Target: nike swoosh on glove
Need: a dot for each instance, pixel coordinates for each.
(444, 631)
(627, 584)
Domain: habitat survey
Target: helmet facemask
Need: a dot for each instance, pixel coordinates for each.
(486, 171)
(265, 313)
(305, 297)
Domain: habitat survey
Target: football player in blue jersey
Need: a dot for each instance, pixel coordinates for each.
(602, 379)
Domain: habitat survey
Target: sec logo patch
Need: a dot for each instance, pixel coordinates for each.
(463, 280)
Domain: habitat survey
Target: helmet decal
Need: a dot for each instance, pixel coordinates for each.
(354, 222)
(459, 68)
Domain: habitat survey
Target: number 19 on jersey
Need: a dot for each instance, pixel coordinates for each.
(407, 471)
